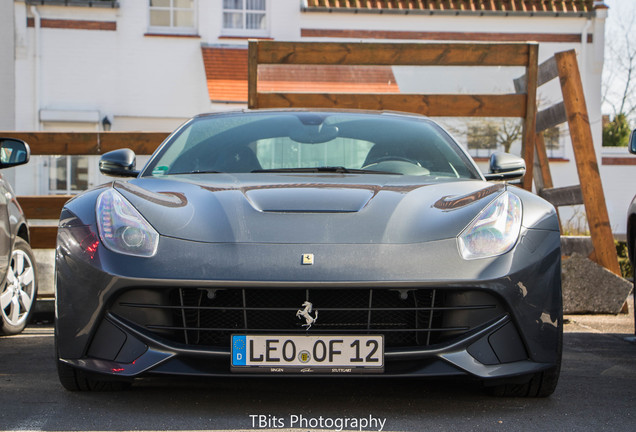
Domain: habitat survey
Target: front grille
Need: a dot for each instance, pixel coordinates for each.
(406, 317)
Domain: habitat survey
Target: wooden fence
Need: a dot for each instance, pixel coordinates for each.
(589, 192)
(521, 104)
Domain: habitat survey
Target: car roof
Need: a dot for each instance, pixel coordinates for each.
(316, 110)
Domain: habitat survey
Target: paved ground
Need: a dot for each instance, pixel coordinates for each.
(622, 324)
(597, 392)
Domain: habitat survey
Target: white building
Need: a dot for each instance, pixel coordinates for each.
(150, 65)
(7, 66)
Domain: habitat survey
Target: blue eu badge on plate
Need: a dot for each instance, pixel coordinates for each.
(238, 350)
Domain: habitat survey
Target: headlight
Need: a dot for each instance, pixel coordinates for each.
(495, 231)
(122, 228)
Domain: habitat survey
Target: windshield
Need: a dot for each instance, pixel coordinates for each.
(292, 141)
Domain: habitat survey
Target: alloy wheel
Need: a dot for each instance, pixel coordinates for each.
(18, 294)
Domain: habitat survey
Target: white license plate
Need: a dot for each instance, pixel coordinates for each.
(324, 354)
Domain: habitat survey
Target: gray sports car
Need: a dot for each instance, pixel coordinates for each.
(309, 243)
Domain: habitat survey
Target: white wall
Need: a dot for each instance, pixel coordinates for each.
(118, 73)
(7, 67)
(142, 81)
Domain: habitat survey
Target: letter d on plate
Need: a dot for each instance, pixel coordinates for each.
(239, 353)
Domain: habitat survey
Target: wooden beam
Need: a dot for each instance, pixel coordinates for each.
(586, 163)
(88, 143)
(543, 160)
(551, 117)
(393, 54)
(547, 72)
(544, 170)
(43, 207)
(511, 105)
(529, 124)
(43, 236)
(143, 143)
(252, 74)
(537, 172)
(564, 196)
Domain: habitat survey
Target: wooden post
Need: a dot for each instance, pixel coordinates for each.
(529, 124)
(542, 157)
(252, 74)
(586, 162)
(544, 168)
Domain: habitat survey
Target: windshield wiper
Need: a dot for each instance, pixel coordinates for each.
(326, 169)
(201, 172)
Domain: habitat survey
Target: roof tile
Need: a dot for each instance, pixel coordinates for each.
(514, 6)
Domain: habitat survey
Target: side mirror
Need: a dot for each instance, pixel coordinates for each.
(632, 142)
(13, 152)
(504, 166)
(118, 163)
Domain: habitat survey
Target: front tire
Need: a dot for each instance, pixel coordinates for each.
(541, 384)
(19, 293)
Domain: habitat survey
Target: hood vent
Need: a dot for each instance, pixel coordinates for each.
(309, 199)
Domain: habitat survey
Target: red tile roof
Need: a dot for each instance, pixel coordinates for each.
(226, 72)
(512, 6)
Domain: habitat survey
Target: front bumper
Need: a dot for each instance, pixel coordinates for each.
(523, 339)
(455, 359)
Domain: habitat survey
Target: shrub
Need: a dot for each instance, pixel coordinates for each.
(627, 271)
(616, 133)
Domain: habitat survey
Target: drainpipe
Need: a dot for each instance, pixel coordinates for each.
(36, 86)
(586, 27)
(36, 66)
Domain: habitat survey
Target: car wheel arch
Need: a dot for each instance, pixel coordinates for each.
(631, 232)
(23, 232)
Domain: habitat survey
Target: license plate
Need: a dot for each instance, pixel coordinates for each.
(307, 354)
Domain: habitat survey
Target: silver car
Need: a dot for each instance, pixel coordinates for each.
(19, 287)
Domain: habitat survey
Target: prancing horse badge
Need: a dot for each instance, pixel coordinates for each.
(308, 259)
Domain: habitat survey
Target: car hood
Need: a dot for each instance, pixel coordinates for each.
(312, 209)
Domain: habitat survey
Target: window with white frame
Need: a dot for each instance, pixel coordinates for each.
(68, 174)
(245, 17)
(172, 16)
